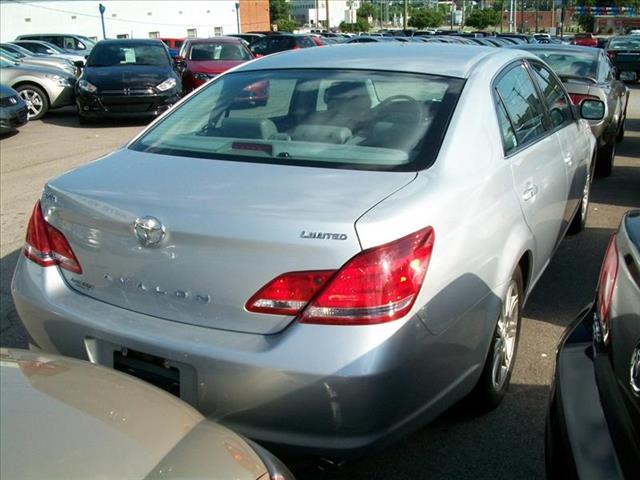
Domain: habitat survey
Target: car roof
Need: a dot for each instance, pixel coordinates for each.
(142, 41)
(453, 60)
(557, 47)
(215, 40)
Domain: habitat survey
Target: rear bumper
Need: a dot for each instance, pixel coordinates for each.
(323, 390)
(580, 441)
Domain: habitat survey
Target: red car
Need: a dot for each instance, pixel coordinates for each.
(585, 40)
(203, 59)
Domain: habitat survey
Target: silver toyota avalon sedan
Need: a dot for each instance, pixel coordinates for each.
(332, 265)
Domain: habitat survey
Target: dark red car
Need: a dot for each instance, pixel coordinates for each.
(585, 40)
(203, 59)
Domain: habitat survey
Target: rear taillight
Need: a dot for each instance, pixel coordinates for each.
(606, 284)
(46, 245)
(376, 286)
(577, 98)
(289, 293)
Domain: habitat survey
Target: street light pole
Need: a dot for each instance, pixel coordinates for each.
(238, 16)
(328, 25)
(102, 8)
(406, 14)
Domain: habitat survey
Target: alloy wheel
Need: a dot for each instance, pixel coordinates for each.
(505, 337)
(585, 199)
(34, 102)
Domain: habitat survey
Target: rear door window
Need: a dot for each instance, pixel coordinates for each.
(522, 104)
(557, 102)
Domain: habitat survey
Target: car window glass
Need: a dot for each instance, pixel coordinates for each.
(306, 42)
(260, 46)
(558, 105)
(272, 117)
(178, 43)
(280, 92)
(577, 64)
(72, 43)
(131, 54)
(522, 104)
(212, 51)
(509, 140)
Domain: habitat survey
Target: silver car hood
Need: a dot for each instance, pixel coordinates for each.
(65, 418)
(231, 227)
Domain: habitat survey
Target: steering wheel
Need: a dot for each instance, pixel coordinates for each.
(399, 103)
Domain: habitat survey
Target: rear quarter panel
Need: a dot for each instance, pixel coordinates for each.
(467, 196)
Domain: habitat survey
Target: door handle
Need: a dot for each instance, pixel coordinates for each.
(568, 160)
(530, 192)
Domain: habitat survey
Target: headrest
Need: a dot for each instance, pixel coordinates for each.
(247, 128)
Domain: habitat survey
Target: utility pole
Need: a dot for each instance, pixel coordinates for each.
(326, 6)
(238, 16)
(406, 14)
(511, 16)
(102, 8)
(317, 15)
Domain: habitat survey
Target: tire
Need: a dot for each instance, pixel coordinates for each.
(494, 380)
(37, 100)
(620, 136)
(580, 219)
(84, 120)
(604, 162)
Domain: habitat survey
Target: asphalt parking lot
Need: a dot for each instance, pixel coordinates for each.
(509, 442)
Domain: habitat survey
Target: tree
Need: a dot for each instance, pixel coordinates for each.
(424, 18)
(481, 19)
(361, 25)
(367, 10)
(279, 10)
(586, 22)
(286, 25)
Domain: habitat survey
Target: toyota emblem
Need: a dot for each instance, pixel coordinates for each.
(149, 231)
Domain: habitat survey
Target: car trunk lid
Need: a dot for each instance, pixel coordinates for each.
(231, 227)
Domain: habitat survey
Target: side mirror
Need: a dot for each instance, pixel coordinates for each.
(258, 55)
(592, 109)
(180, 63)
(49, 51)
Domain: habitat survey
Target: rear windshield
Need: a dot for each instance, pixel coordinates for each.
(625, 43)
(218, 51)
(571, 63)
(108, 55)
(341, 119)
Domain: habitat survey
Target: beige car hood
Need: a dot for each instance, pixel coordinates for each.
(64, 418)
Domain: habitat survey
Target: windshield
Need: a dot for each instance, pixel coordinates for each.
(341, 119)
(15, 52)
(5, 62)
(571, 64)
(218, 51)
(53, 47)
(110, 54)
(89, 42)
(625, 43)
(10, 56)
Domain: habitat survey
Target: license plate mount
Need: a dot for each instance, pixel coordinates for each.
(154, 370)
